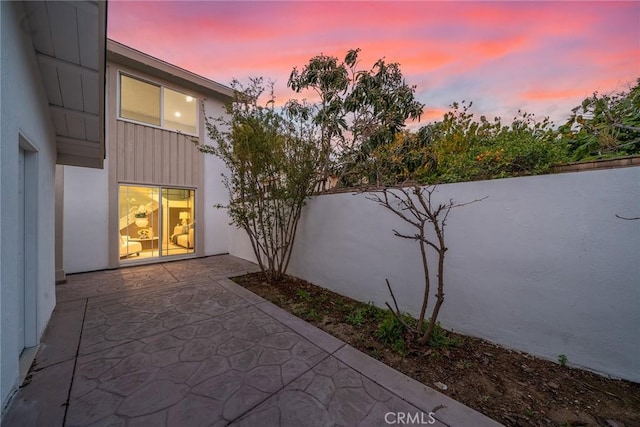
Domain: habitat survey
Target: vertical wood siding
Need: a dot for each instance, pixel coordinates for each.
(147, 155)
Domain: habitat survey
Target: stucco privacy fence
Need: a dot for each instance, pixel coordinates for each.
(543, 265)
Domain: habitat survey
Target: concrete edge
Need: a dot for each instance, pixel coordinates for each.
(452, 412)
(316, 336)
(243, 293)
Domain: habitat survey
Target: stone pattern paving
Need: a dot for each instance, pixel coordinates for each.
(329, 394)
(222, 366)
(176, 344)
(87, 285)
(111, 322)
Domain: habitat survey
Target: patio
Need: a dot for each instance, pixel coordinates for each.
(180, 344)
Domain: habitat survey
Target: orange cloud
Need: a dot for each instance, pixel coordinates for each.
(433, 113)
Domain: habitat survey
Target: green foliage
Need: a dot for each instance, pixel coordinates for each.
(374, 313)
(356, 317)
(391, 332)
(312, 314)
(303, 294)
(363, 314)
(358, 109)
(440, 338)
(273, 157)
(461, 148)
(605, 126)
(562, 359)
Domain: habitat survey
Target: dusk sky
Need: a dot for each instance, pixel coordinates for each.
(541, 57)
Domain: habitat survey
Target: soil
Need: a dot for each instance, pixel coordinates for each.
(511, 387)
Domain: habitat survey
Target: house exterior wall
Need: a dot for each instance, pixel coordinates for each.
(542, 265)
(85, 219)
(216, 221)
(23, 113)
(144, 155)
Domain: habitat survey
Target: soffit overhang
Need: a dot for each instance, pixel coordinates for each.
(69, 39)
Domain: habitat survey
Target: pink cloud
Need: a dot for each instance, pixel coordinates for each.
(547, 95)
(502, 54)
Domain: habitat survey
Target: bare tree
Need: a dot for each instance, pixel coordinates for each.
(415, 206)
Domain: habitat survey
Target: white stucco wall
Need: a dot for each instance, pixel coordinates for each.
(23, 111)
(542, 265)
(216, 221)
(86, 219)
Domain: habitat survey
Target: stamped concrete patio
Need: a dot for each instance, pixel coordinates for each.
(179, 344)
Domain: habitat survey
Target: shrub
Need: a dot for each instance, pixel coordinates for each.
(391, 332)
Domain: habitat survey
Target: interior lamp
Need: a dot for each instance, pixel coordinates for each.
(184, 216)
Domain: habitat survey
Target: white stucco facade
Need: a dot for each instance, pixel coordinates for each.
(216, 221)
(24, 123)
(542, 265)
(86, 219)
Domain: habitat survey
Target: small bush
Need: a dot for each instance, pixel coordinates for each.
(356, 317)
(441, 339)
(562, 359)
(391, 332)
(374, 313)
(303, 295)
(312, 314)
(365, 313)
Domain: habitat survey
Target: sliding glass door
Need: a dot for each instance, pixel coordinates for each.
(178, 221)
(156, 222)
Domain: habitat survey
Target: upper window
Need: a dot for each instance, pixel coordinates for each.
(157, 105)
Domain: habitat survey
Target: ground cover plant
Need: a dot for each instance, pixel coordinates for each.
(513, 388)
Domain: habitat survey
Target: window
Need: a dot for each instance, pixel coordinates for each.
(139, 101)
(180, 111)
(157, 105)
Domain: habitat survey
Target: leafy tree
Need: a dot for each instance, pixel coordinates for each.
(273, 157)
(605, 125)
(462, 148)
(468, 149)
(358, 109)
(407, 158)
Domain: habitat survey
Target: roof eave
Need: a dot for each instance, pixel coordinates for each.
(125, 55)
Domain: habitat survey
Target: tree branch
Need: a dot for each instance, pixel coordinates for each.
(628, 219)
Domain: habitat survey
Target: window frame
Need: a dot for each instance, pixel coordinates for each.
(162, 88)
